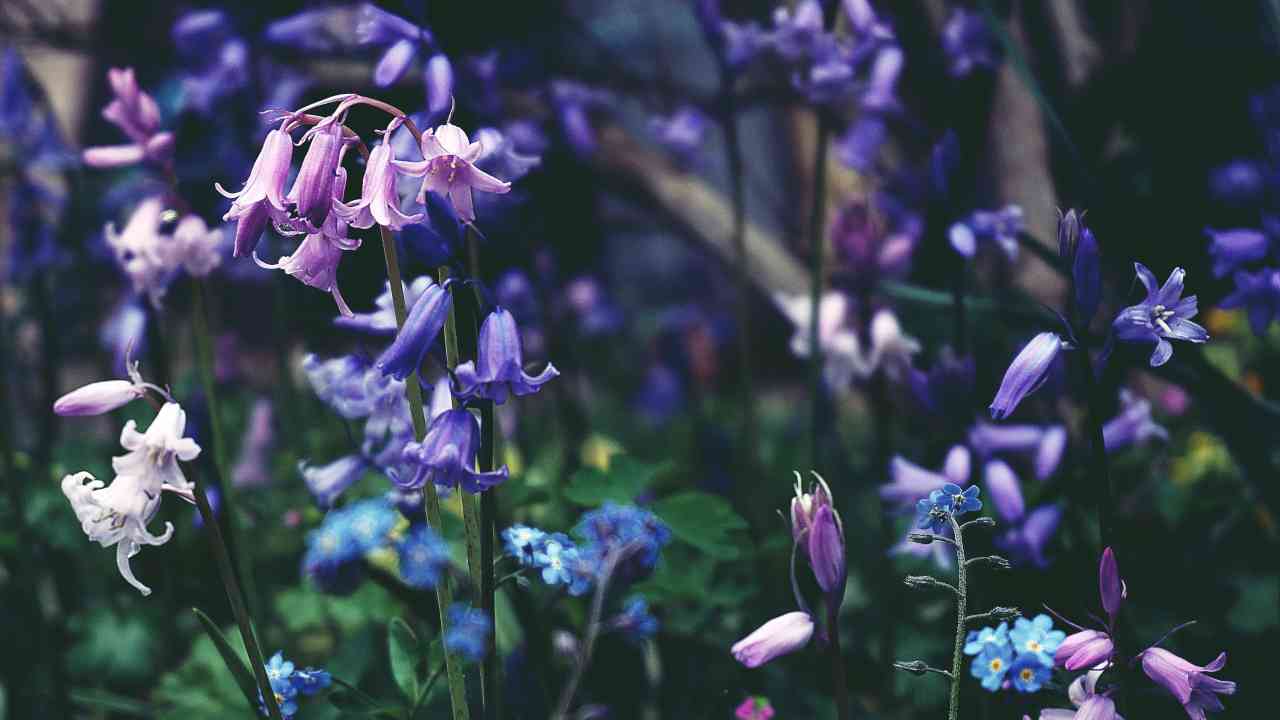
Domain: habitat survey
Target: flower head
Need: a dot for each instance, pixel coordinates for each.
(499, 365)
(138, 117)
(1028, 674)
(1231, 249)
(1084, 649)
(312, 193)
(117, 514)
(521, 541)
(421, 327)
(448, 168)
(635, 621)
(468, 633)
(991, 666)
(910, 481)
(1259, 294)
(1133, 425)
(780, 636)
(447, 455)
(379, 202)
(1027, 372)
(262, 197)
(1036, 638)
(978, 642)
(948, 501)
(1190, 684)
(998, 227)
(424, 557)
(327, 482)
(1163, 316)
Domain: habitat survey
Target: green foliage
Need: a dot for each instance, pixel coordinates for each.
(705, 521)
(234, 661)
(407, 656)
(625, 479)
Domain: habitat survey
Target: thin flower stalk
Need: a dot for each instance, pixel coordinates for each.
(962, 607)
(817, 229)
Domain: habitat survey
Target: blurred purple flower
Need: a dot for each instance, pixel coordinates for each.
(1231, 249)
(873, 252)
(1044, 444)
(1259, 294)
(327, 482)
(1026, 373)
(683, 133)
(969, 43)
(253, 465)
(1164, 315)
(1005, 491)
(911, 482)
(218, 58)
(138, 117)
(998, 227)
(382, 319)
(1239, 182)
(1133, 425)
(1025, 543)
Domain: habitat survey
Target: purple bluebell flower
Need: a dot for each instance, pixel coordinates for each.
(1005, 491)
(1133, 425)
(1084, 649)
(911, 482)
(252, 466)
(1086, 273)
(379, 202)
(512, 152)
(573, 103)
(805, 506)
(315, 261)
(969, 43)
(312, 193)
(499, 365)
(780, 636)
(1163, 316)
(1230, 249)
(1189, 683)
(999, 227)
(468, 633)
(447, 455)
(421, 327)
(1026, 542)
(1089, 704)
(438, 80)
(217, 58)
(1027, 372)
(864, 242)
(683, 133)
(382, 319)
(123, 332)
(424, 557)
(1045, 444)
(262, 197)
(394, 62)
(946, 389)
(448, 168)
(1110, 586)
(327, 482)
(1239, 182)
(827, 553)
(1259, 294)
(138, 117)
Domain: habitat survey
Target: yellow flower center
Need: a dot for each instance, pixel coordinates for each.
(1033, 646)
(996, 664)
(1027, 675)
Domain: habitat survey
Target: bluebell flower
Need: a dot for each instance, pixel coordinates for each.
(1036, 638)
(946, 389)
(1133, 425)
(522, 541)
(1163, 316)
(556, 555)
(683, 133)
(910, 481)
(421, 328)
(991, 666)
(499, 365)
(1026, 541)
(1259, 294)
(1239, 182)
(447, 455)
(1005, 491)
(327, 482)
(382, 319)
(635, 621)
(1028, 371)
(998, 227)
(1231, 249)
(468, 633)
(979, 641)
(1028, 674)
(424, 556)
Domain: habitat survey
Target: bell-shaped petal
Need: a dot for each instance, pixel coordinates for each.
(262, 196)
(438, 79)
(1084, 649)
(827, 553)
(499, 366)
(1191, 684)
(1026, 373)
(421, 327)
(447, 455)
(780, 636)
(1110, 586)
(312, 190)
(327, 482)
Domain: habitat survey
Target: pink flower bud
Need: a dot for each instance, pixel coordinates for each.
(97, 398)
(780, 636)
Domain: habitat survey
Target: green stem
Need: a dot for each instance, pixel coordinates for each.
(817, 228)
(837, 661)
(962, 606)
(241, 552)
(235, 596)
(413, 393)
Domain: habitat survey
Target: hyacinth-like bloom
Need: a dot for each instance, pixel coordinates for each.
(827, 551)
(805, 506)
(1084, 649)
(1027, 372)
(138, 117)
(1045, 444)
(448, 168)
(382, 319)
(315, 260)
(499, 367)
(998, 227)
(867, 245)
(969, 43)
(252, 466)
(262, 198)
(327, 482)
(422, 326)
(468, 633)
(379, 202)
(754, 708)
(424, 557)
(447, 455)
(1133, 425)
(682, 133)
(313, 193)
(117, 514)
(910, 481)
(1259, 294)
(635, 621)
(1231, 249)
(780, 636)
(1191, 684)
(1163, 316)
(950, 500)
(844, 354)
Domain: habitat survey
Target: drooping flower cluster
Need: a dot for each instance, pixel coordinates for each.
(288, 683)
(1020, 658)
(995, 227)
(150, 257)
(138, 117)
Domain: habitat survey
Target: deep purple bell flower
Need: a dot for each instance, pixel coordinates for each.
(827, 552)
(499, 367)
(421, 327)
(312, 189)
(447, 455)
(1163, 316)
(1235, 247)
(1026, 373)
(1259, 294)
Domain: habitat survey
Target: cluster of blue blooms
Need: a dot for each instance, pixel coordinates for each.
(951, 499)
(1021, 658)
(468, 633)
(624, 538)
(288, 682)
(335, 554)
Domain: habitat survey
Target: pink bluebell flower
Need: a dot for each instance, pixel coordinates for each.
(313, 192)
(138, 117)
(379, 203)
(448, 168)
(780, 636)
(262, 199)
(1191, 684)
(1163, 316)
(1133, 425)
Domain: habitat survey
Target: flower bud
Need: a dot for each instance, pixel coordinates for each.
(1004, 491)
(438, 77)
(1069, 225)
(1026, 373)
(1084, 649)
(1110, 586)
(826, 552)
(1086, 272)
(915, 667)
(805, 505)
(1004, 613)
(97, 398)
(780, 636)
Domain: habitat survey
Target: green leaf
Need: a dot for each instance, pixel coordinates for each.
(233, 660)
(117, 704)
(705, 521)
(405, 653)
(355, 704)
(622, 482)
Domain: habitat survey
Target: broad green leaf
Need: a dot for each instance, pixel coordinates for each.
(705, 521)
(622, 482)
(405, 653)
(235, 663)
